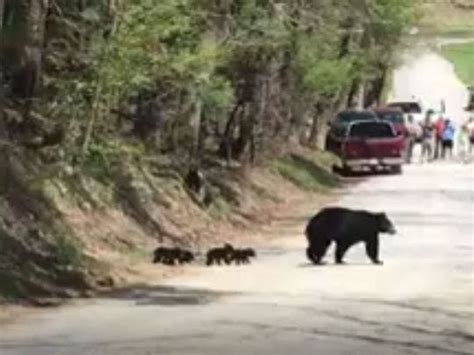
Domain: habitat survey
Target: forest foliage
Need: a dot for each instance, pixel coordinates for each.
(124, 104)
(231, 78)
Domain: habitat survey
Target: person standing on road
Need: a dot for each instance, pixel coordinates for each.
(439, 128)
(462, 144)
(427, 139)
(470, 129)
(413, 134)
(448, 139)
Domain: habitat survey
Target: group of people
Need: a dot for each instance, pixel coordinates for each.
(438, 138)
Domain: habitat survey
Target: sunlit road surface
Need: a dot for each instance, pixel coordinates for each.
(421, 301)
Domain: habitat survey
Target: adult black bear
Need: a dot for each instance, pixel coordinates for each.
(345, 227)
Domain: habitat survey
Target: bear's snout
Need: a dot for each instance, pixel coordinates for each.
(392, 230)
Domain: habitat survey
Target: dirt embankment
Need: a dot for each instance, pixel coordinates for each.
(66, 235)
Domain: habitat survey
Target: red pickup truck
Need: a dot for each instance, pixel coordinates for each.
(367, 145)
(394, 116)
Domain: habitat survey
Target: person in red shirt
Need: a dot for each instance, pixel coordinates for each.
(439, 128)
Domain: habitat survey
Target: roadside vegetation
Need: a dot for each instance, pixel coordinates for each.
(308, 172)
(448, 17)
(127, 123)
(462, 56)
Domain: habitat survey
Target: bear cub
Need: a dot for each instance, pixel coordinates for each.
(171, 256)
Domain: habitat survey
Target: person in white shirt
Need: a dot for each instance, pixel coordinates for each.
(413, 136)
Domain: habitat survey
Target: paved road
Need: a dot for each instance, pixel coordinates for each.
(420, 302)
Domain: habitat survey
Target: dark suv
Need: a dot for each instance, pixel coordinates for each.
(345, 118)
(338, 127)
(394, 116)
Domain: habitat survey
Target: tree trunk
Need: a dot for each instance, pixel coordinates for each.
(317, 117)
(25, 58)
(36, 23)
(360, 98)
(225, 147)
(373, 95)
(196, 124)
(2, 7)
(2, 84)
(245, 131)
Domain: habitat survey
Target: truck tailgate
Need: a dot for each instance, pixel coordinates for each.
(357, 148)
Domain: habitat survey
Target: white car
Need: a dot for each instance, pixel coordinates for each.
(418, 109)
(413, 108)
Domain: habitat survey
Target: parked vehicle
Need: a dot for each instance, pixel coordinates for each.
(345, 118)
(367, 145)
(414, 108)
(393, 115)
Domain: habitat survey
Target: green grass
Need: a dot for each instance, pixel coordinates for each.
(307, 173)
(462, 56)
(442, 17)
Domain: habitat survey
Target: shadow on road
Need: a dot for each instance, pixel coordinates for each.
(361, 175)
(166, 295)
(327, 264)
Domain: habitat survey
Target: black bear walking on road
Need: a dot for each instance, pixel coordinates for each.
(218, 255)
(345, 227)
(171, 256)
(242, 256)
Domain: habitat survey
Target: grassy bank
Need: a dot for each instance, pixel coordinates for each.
(105, 234)
(462, 56)
(445, 17)
(308, 172)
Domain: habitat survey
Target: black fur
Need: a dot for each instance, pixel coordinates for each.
(218, 255)
(172, 256)
(345, 227)
(242, 256)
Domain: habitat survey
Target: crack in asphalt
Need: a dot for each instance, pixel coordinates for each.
(412, 307)
(366, 338)
(103, 343)
(468, 337)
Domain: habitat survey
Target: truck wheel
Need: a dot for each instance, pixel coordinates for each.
(346, 170)
(397, 169)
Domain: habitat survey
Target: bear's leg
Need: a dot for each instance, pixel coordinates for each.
(310, 256)
(372, 249)
(209, 260)
(316, 251)
(341, 249)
